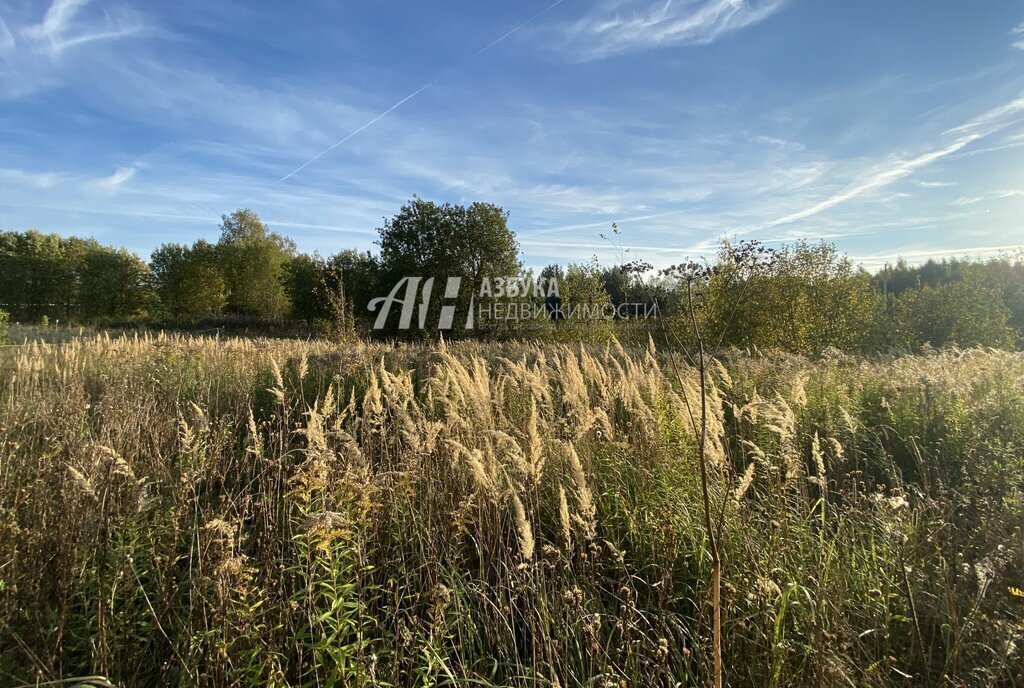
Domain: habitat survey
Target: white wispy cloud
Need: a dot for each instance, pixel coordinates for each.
(986, 119)
(621, 26)
(776, 142)
(34, 180)
(114, 182)
(992, 196)
(877, 179)
(1018, 30)
(18, 181)
(63, 26)
(565, 168)
(169, 199)
(119, 177)
(34, 48)
(6, 37)
(888, 173)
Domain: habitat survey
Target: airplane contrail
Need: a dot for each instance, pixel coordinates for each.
(418, 91)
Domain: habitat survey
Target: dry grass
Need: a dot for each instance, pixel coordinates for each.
(232, 512)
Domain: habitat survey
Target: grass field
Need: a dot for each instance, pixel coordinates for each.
(190, 511)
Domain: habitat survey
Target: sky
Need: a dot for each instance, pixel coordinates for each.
(888, 128)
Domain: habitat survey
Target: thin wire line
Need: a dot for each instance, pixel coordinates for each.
(418, 91)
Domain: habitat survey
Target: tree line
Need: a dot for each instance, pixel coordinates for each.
(808, 298)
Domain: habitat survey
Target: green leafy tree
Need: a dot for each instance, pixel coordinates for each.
(38, 275)
(303, 276)
(361, 273)
(48, 276)
(340, 319)
(618, 284)
(809, 298)
(901, 277)
(113, 284)
(313, 286)
(1007, 275)
(188, 279)
(997, 284)
(586, 309)
(253, 260)
(967, 312)
(440, 241)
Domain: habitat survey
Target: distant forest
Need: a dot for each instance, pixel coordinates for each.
(811, 298)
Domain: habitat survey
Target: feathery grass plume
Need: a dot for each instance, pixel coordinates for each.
(313, 431)
(106, 460)
(255, 437)
(640, 414)
(373, 405)
(687, 401)
(523, 529)
(837, 450)
(534, 442)
(230, 573)
(575, 398)
(474, 461)
(186, 435)
(564, 519)
(508, 447)
(756, 452)
(350, 408)
(597, 375)
(715, 424)
(777, 418)
(396, 388)
(199, 419)
(398, 393)
(851, 423)
(746, 480)
(819, 463)
(275, 370)
(468, 386)
(753, 409)
(651, 352)
(278, 394)
(799, 390)
(329, 406)
(82, 484)
(587, 509)
(721, 373)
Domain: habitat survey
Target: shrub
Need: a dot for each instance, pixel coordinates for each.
(968, 312)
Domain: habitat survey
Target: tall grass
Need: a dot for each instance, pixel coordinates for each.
(189, 511)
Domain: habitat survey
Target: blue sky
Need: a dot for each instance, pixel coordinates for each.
(889, 128)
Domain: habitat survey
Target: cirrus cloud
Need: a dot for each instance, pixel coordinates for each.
(622, 26)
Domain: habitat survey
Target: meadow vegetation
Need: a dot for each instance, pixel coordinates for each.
(254, 280)
(776, 479)
(198, 511)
